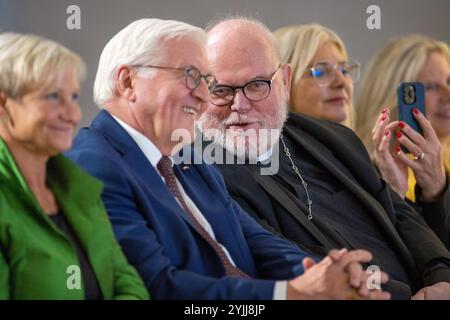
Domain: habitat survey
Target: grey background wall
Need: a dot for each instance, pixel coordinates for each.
(101, 19)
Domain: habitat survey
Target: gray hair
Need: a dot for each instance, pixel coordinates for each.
(252, 22)
(141, 42)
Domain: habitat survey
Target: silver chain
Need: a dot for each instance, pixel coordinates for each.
(297, 172)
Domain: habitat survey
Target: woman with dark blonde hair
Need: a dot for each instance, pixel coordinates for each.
(322, 73)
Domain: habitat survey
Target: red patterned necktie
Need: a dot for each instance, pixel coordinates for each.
(165, 168)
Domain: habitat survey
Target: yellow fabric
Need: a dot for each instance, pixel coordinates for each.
(410, 195)
(447, 157)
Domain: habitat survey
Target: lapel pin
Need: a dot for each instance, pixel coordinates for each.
(185, 168)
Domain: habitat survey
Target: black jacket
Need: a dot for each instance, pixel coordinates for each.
(424, 256)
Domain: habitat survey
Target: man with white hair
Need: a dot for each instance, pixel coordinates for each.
(326, 193)
(176, 223)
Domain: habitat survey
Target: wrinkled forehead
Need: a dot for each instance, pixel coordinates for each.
(183, 51)
(238, 57)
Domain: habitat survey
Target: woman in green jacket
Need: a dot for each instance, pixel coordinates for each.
(56, 241)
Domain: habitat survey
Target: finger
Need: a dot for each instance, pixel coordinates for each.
(406, 160)
(335, 254)
(384, 277)
(363, 289)
(380, 135)
(379, 295)
(308, 263)
(411, 146)
(381, 117)
(419, 296)
(356, 274)
(383, 149)
(385, 144)
(378, 129)
(366, 287)
(360, 256)
(425, 124)
(412, 134)
(392, 125)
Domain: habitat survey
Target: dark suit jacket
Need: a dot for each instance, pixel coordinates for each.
(336, 147)
(174, 261)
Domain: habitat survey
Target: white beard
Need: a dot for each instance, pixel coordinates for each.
(249, 144)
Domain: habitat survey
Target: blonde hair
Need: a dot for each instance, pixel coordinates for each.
(299, 43)
(141, 42)
(28, 62)
(399, 61)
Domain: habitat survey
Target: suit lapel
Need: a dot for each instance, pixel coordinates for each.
(138, 163)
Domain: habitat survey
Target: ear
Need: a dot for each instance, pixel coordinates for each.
(124, 83)
(287, 77)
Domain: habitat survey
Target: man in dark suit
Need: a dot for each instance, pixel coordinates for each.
(325, 193)
(177, 224)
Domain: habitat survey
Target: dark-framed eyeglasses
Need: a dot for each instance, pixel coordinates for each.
(255, 90)
(192, 75)
(324, 72)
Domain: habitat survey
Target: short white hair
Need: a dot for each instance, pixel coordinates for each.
(251, 23)
(141, 42)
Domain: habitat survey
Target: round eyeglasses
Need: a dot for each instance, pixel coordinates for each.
(192, 76)
(255, 90)
(324, 72)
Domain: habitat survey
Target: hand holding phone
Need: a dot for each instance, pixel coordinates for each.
(411, 95)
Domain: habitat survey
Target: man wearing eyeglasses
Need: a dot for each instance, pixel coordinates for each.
(176, 223)
(326, 193)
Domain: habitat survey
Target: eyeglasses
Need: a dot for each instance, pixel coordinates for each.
(192, 76)
(437, 87)
(255, 90)
(324, 72)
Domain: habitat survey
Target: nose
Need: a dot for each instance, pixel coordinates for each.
(339, 80)
(72, 112)
(240, 103)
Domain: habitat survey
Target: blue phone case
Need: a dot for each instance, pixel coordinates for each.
(405, 108)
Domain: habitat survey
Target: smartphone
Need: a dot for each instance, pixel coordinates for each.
(410, 95)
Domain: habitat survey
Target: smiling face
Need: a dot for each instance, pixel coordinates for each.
(330, 102)
(237, 56)
(163, 103)
(42, 121)
(435, 74)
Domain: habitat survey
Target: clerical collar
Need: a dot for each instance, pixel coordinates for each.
(265, 157)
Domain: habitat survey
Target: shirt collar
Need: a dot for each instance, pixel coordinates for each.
(265, 156)
(149, 149)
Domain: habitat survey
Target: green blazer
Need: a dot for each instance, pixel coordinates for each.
(36, 258)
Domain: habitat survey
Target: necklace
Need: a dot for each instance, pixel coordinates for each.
(297, 172)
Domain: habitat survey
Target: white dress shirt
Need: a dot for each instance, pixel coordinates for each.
(153, 155)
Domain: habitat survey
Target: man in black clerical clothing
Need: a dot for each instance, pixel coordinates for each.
(325, 192)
